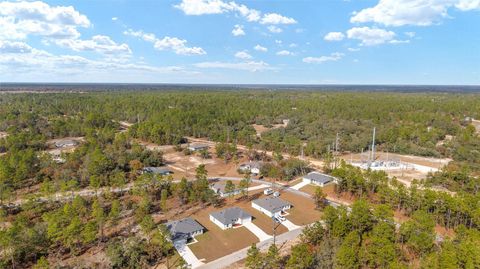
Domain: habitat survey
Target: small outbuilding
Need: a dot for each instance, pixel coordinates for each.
(318, 178)
(230, 217)
(163, 171)
(252, 167)
(65, 143)
(197, 147)
(184, 230)
(271, 206)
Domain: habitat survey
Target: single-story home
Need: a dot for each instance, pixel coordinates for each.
(318, 178)
(157, 170)
(271, 206)
(197, 147)
(253, 167)
(65, 143)
(219, 188)
(230, 217)
(182, 231)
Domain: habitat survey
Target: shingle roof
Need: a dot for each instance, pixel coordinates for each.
(252, 165)
(180, 229)
(272, 204)
(220, 187)
(319, 177)
(230, 215)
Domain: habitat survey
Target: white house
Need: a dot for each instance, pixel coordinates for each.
(318, 179)
(219, 188)
(271, 206)
(230, 217)
(183, 230)
(252, 167)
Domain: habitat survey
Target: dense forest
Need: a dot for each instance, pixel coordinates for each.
(425, 124)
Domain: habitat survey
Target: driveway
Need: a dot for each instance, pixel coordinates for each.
(299, 185)
(187, 254)
(290, 226)
(256, 231)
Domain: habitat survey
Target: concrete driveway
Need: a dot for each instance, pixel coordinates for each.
(186, 253)
(256, 231)
(299, 185)
(290, 226)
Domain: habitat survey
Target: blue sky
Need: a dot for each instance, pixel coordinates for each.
(224, 41)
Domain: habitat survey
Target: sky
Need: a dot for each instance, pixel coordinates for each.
(434, 42)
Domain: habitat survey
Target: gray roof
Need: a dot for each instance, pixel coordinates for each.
(319, 177)
(220, 187)
(64, 143)
(230, 215)
(157, 170)
(198, 146)
(181, 229)
(272, 204)
(251, 165)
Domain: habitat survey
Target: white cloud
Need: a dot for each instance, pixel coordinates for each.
(411, 12)
(284, 53)
(274, 18)
(293, 45)
(466, 5)
(260, 48)
(114, 18)
(411, 34)
(243, 55)
(98, 43)
(331, 58)
(395, 41)
(274, 29)
(167, 43)
(370, 36)
(278, 41)
(334, 36)
(20, 19)
(353, 49)
(206, 7)
(18, 59)
(238, 30)
(251, 66)
(14, 47)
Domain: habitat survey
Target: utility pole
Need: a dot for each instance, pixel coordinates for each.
(276, 223)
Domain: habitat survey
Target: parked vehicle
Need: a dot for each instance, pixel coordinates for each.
(276, 194)
(268, 191)
(280, 218)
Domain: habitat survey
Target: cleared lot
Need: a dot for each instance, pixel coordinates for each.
(303, 211)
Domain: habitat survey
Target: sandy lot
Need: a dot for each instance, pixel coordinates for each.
(185, 165)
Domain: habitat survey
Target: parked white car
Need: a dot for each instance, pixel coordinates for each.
(280, 218)
(276, 194)
(268, 191)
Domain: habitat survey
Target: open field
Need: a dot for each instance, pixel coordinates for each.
(476, 123)
(261, 128)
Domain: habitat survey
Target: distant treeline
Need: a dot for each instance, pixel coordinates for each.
(406, 123)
